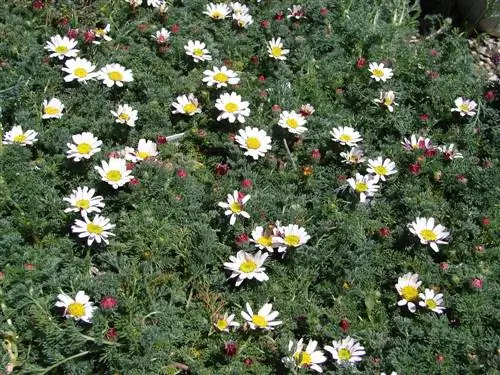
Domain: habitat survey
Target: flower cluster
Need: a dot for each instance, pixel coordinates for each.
(408, 288)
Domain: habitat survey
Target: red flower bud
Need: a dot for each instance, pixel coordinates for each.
(134, 181)
(430, 152)
(424, 117)
(175, 28)
(279, 15)
(221, 169)
(72, 33)
(89, 36)
(361, 62)
(344, 325)
(246, 183)
(439, 358)
(248, 362)
(444, 266)
(415, 168)
(384, 232)
(276, 108)
(108, 302)
(476, 283)
(230, 348)
(264, 24)
(111, 334)
(38, 4)
(316, 154)
(323, 11)
(254, 59)
(241, 239)
(485, 221)
(161, 139)
(143, 27)
(181, 173)
(433, 52)
(489, 96)
(29, 267)
(262, 78)
(130, 166)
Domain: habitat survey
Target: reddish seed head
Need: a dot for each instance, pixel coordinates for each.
(361, 62)
(130, 166)
(341, 178)
(262, 78)
(415, 168)
(424, 117)
(89, 36)
(230, 348)
(143, 27)
(63, 21)
(246, 183)
(263, 93)
(344, 325)
(175, 28)
(462, 179)
(178, 197)
(111, 334)
(476, 283)
(38, 4)
(108, 302)
(254, 59)
(307, 170)
(227, 63)
(339, 90)
(279, 15)
(241, 195)
(430, 152)
(316, 154)
(384, 232)
(276, 108)
(248, 362)
(221, 169)
(161, 139)
(479, 249)
(2, 275)
(162, 49)
(72, 33)
(489, 96)
(134, 181)
(444, 266)
(485, 221)
(433, 74)
(323, 11)
(433, 52)
(264, 24)
(241, 239)
(439, 358)
(181, 173)
(29, 267)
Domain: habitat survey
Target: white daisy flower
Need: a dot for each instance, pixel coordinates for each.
(291, 236)
(96, 229)
(306, 110)
(247, 266)
(310, 358)
(449, 153)
(61, 47)
(83, 200)
(102, 33)
(380, 168)
(275, 49)
(386, 99)
(392, 373)
(254, 140)
(379, 73)
(80, 69)
(232, 108)
(346, 135)
(464, 107)
(220, 77)
(197, 51)
(125, 114)
(225, 322)
(292, 121)
(415, 143)
(407, 288)
(79, 308)
(364, 185)
(297, 12)
(428, 233)
(217, 11)
(134, 3)
(432, 301)
(235, 206)
(161, 36)
(346, 351)
(243, 20)
(114, 172)
(238, 8)
(19, 137)
(115, 74)
(52, 108)
(83, 147)
(162, 7)
(264, 319)
(145, 149)
(263, 240)
(186, 105)
(353, 156)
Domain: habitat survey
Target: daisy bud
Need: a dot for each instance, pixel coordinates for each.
(444, 266)
(130, 166)
(489, 96)
(430, 152)
(264, 24)
(161, 139)
(108, 302)
(384, 232)
(134, 181)
(279, 15)
(462, 179)
(316, 154)
(181, 173)
(221, 169)
(72, 33)
(241, 239)
(361, 63)
(476, 283)
(323, 11)
(89, 36)
(246, 183)
(63, 21)
(248, 362)
(262, 78)
(344, 325)
(414, 168)
(111, 334)
(230, 348)
(178, 197)
(433, 52)
(241, 195)
(479, 249)
(485, 221)
(263, 93)
(424, 117)
(38, 4)
(276, 108)
(29, 266)
(254, 59)
(175, 28)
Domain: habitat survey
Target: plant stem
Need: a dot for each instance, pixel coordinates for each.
(289, 153)
(57, 364)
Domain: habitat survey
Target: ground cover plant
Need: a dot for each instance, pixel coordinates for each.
(245, 188)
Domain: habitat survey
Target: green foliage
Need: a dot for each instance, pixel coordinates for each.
(164, 265)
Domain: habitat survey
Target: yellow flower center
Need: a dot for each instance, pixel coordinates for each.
(221, 77)
(76, 309)
(80, 72)
(380, 170)
(143, 154)
(115, 76)
(222, 324)
(217, 15)
(100, 32)
(291, 240)
(84, 148)
(51, 110)
(247, 266)
(428, 235)
(276, 51)
(123, 117)
(253, 143)
(409, 293)
(265, 241)
(379, 73)
(464, 107)
(198, 52)
(231, 107)
(345, 138)
(82, 204)
(291, 122)
(114, 176)
(304, 359)
(259, 321)
(20, 138)
(387, 101)
(345, 354)
(62, 50)
(431, 304)
(189, 108)
(361, 187)
(235, 207)
(94, 228)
